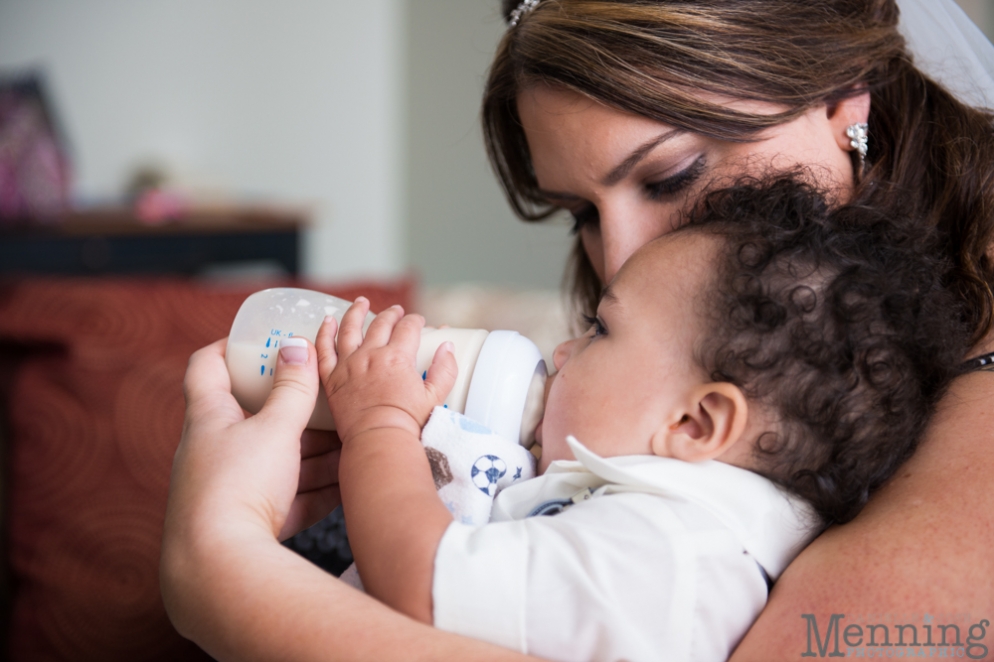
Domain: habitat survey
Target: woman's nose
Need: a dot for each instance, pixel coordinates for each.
(624, 231)
(561, 353)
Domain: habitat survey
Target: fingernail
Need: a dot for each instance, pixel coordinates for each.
(361, 300)
(293, 351)
(447, 346)
(328, 319)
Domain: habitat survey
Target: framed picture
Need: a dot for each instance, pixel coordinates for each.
(34, 164)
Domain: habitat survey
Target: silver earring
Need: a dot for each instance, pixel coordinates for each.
(859, 140)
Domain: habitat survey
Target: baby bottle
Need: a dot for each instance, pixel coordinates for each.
(501, 377)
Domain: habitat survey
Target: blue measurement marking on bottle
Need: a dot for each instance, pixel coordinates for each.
(424, 375)
(273, 333)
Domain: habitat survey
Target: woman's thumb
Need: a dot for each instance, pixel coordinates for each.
(295, 385)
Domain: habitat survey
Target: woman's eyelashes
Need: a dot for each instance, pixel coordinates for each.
(588, 216)
(676, 183)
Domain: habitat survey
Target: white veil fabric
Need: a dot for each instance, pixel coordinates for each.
(948, 47)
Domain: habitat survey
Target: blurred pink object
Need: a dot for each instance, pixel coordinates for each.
(34, 168)
(154, 206)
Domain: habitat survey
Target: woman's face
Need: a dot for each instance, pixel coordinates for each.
(625, 178)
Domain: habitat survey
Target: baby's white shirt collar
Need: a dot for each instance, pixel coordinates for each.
(772, 524)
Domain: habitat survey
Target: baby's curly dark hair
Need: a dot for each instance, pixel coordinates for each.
(838, 321)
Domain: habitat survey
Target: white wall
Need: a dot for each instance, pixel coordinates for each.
(982, 13)
(368, 110)
(297, 101)
(460, 226)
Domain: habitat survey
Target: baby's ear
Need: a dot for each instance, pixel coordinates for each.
(712, 421)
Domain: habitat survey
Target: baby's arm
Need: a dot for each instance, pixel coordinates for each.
(380, 404)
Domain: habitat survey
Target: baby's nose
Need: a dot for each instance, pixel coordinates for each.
(561, 353)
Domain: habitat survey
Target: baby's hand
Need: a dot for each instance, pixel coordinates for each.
(373, 382)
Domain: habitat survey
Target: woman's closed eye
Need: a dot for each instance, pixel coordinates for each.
(677, 183)
(588, 217)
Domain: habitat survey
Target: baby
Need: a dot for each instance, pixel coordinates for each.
(748, 379)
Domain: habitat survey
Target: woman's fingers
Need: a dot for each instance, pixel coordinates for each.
(319, 471)
(442, 372)
(350, 330)
(202, 374)
(310, 508)
(207, 386)
(295, 389)
(318, 442)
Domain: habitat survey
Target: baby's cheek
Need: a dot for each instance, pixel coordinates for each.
(550, 380)
(568, 411)
(555, 427)
(551, 452)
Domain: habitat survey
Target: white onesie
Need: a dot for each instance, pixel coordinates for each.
(626, 558)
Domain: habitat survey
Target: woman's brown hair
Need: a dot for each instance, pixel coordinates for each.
(662, 59)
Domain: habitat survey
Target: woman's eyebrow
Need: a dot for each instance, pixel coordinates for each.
(626, 166)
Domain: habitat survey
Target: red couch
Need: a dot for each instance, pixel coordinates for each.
(91, 373)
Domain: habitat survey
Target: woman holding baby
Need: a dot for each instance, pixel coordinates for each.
(623, 113)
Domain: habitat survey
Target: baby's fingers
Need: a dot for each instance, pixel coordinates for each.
(379, 332)
(407, 334)
(442, 373)
(350, 331)
(327, 354)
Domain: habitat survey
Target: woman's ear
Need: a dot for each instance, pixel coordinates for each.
(845, 113)
(712, 422)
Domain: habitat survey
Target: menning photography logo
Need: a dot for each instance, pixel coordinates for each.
(943, 636)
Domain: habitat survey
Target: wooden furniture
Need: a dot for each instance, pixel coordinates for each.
(114, 241)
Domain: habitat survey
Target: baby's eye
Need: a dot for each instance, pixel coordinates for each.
(596, 325)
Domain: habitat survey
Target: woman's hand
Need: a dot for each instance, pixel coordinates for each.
(372, 382)
(229, 468)
(317, 488)
(226, 582)
(234, 480)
